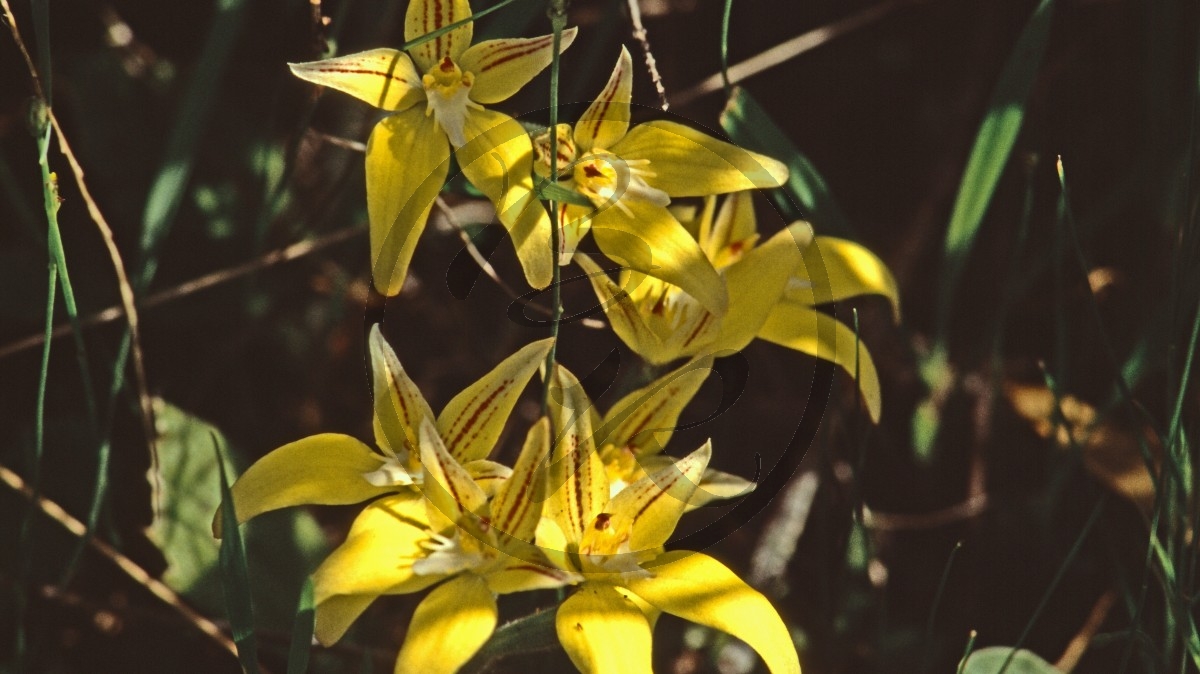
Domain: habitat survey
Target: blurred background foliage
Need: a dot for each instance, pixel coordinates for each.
(1006, 490)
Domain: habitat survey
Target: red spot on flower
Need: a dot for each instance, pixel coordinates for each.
(591, 171)
(447, 65)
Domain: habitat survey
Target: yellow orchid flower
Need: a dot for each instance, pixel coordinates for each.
(455, 535)
(773, 289)
(615, 544)
(630, 175)
(408, 152)
(336, 469)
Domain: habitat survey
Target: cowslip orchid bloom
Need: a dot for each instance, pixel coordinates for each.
(337, 469)
(774, 288)
(451, 533)
(437, 92)
(615, 544)
(630, 176)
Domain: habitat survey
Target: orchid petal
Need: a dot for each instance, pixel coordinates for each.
(574, 223)
(578, 487)
(502, 67)
(384, 78)
(377, 555)
(498, 160)
(426, 16)
(527, 576)
(607, 119)
(656, 502)
(809, 331)
(472, 422)
(335, 615)
(650, 240)
(698, 588)
(448, 486)
(399, 405)
(689, 163)
(837, 269)
(448, 627)
(406, 166)
(489, 475)
(552, 541)
(604, 632)
(517, 506)
(325, 469)
(755, 284)
(730, 232)
(645, 419)
(622, 313)
(715, 484)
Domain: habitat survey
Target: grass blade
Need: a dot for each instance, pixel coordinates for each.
(235, 577)
(751, 127)
(302, 631)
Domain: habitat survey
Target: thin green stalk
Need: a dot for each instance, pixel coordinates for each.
(558, 21)
(725, 47)
(933, 609)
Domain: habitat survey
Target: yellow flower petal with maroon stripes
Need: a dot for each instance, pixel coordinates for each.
(448, 486)
(645, 419)
(607, 119)
(656, 502)
(623, 314)
(578, 485)
(399, 405)
(385, 78)
(517, 506)
(426, 16)
(502, 67)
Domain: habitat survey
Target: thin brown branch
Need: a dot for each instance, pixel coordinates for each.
(1082, 639)
(12, 28)
(972, 507)
(639, 34)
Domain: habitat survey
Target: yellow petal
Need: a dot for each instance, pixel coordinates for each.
(698, 588)
(574, 223)
(729, 233)
(604, 632)
(552, 541)
(527, 576)
(755, 283)
(325, 469)
(688, 163)
(473, 420)
(384, 78)
(837, 269)
(656, 502)
(715, 485)
(502, 67)
(622, 313)
(578, 485)
(407, 163)
(809, 331)
(650, 240)
(377, 555)
(498, 160)
(518, 503)
(426, 16)
(399, 405)
(448, 627)
(335, 615)
(607, 119)
(645, 419)
(489, 475)
(448, 486)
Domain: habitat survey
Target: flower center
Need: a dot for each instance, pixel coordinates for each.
(448, 96)
(607, 180)
(566, 152)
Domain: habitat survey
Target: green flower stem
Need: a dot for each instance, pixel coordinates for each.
(558, 20)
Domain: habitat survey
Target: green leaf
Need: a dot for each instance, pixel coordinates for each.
(991, 660)
(235, 576)
(548, 191)
(750, 126)
(302, 631)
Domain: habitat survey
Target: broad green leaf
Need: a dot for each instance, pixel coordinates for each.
(991, 660)
(750, 126)
(302, 631)
(235, 576)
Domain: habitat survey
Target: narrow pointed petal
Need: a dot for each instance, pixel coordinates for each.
(809, 331)
(837, 269)
(489, 475)
(472, 421)
(527, 576)
(698, 588)
(607, 119)
(448, 627)
(731, 232)
(377, 555)
(604, 632)
(688, 163)
(503, 66)
(325, 469)
(715, 484)
(552, 541)
(426, 16)
(650, 240)
(645, 419)
(335, 615)
(622, 313)
(407, 163)
(755, 284)
(656, 502)
(518, 503)
(578, 486)
(574, 223)
(399, 405)
(384, 78)
(498, 160)
(448, 486)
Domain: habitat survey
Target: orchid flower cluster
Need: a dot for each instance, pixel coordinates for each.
(591, 499)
